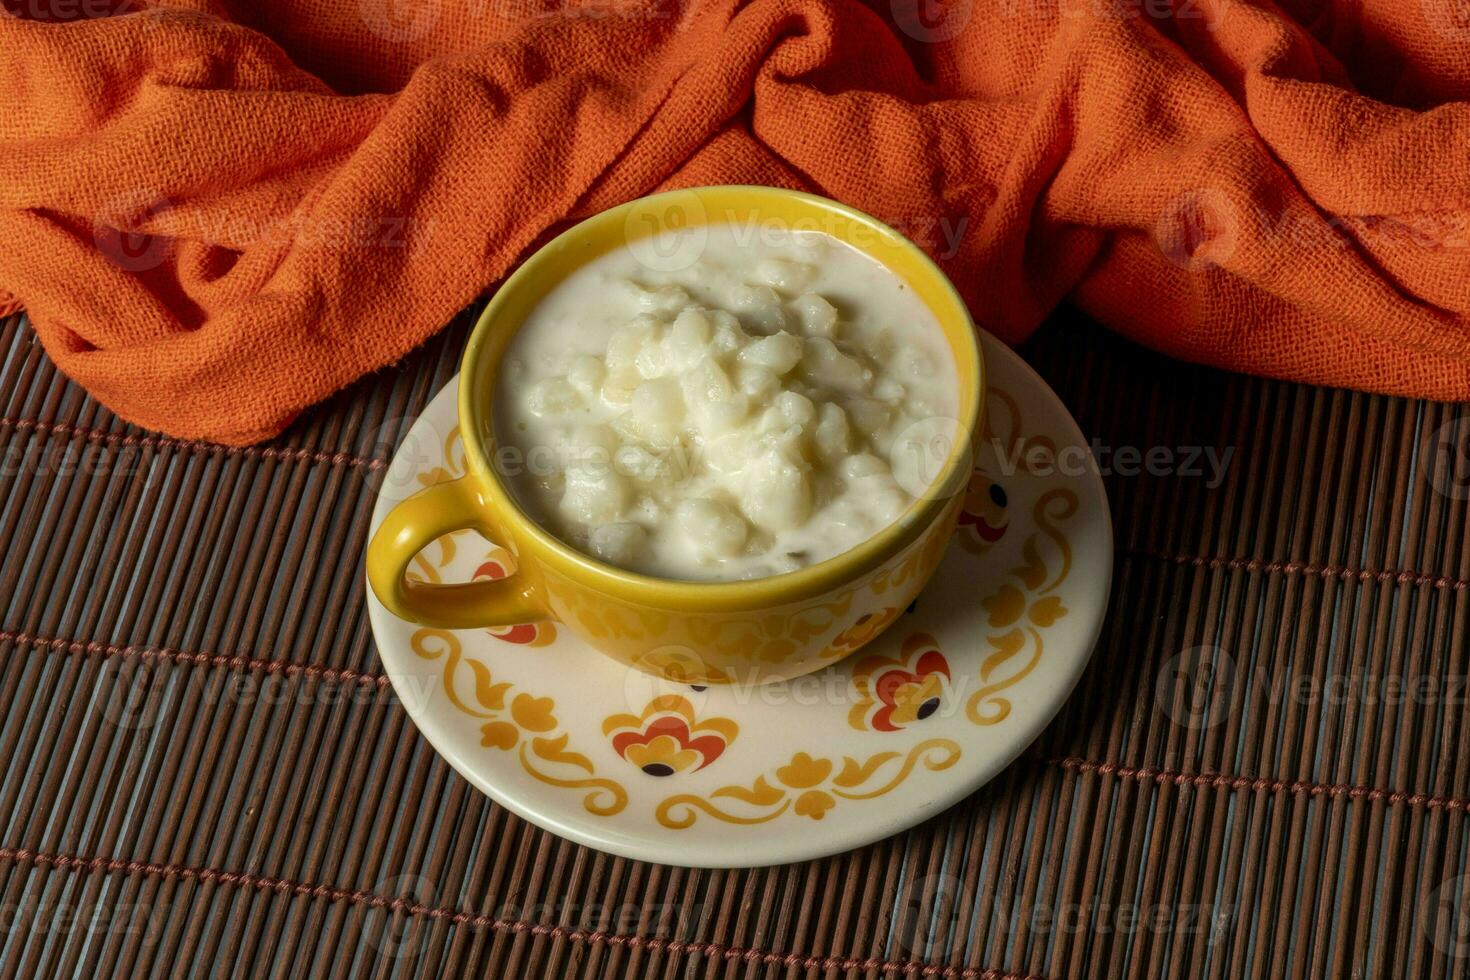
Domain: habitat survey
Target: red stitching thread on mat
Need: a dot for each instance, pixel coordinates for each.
(1219, 780)
(1343, 572)
(191, 658)
(69, 431)
(476, 920)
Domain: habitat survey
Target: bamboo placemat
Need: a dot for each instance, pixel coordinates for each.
(1264, 773)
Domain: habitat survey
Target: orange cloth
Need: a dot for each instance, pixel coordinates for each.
(1274, 188)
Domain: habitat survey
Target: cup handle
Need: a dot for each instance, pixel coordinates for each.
(413, 524)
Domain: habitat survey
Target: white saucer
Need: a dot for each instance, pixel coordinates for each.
(738, 776)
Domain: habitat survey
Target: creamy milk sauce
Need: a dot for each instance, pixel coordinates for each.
(766, 404)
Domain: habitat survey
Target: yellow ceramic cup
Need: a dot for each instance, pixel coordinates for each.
(693, 632)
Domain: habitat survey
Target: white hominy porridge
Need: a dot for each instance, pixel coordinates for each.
(738, 418)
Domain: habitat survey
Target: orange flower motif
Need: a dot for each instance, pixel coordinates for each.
(861, 632)
(803, 771)
(501, 734)
(814, 803)
(984, 514)
(895, 692)
(1005, 606)
(533, 714)
(666, 738)
(527, 634)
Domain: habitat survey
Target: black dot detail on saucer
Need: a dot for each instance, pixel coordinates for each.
(658, 769)
(697, 687)
(998, 495)
(927, 708)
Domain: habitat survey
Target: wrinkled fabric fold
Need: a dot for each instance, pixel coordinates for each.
(217, 215)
